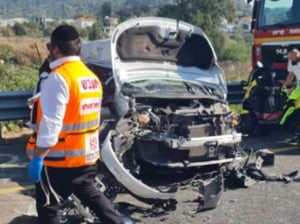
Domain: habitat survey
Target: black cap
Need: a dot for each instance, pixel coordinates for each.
(65, 33)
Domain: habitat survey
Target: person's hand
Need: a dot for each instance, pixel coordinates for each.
(35, 168)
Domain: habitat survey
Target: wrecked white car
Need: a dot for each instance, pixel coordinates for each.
(168, 97)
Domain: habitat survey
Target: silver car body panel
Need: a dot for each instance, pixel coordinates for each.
(131, 183)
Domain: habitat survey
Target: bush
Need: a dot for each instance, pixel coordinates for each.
(6, 32)
(17, 78)
(28, 58)
(233, 51)
(6, 52)
(20, 59)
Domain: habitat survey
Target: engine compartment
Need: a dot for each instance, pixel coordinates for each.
(175, 133)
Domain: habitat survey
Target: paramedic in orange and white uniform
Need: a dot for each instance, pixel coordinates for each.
(64, 148)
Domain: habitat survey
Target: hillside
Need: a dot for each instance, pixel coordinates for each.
(43, 8)
(65, 9)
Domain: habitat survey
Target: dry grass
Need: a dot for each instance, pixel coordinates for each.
(27, 51)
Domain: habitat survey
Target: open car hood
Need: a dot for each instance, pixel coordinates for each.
(164, 49)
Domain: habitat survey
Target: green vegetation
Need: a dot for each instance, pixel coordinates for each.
(16, 72)
(17, 77)
(234, 51)
(240, 54)
(37, 30)
(6, 52)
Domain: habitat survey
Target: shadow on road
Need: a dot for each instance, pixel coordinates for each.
(24, 219)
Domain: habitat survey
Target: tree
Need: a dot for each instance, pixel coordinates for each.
(33, 29)
(180, 11)
(83, 33)
(106, 9)
(206, 14)
(19, 29)
(95, 31)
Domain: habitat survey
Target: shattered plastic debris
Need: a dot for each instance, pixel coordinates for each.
(248, 174)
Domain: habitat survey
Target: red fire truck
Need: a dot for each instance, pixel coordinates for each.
(275, 26)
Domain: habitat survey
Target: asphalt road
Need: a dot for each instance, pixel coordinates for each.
(263, 203)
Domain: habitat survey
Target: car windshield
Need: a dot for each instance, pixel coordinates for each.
(168, 87)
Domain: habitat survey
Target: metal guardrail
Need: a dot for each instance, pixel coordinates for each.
(13, 105)
(236, 92)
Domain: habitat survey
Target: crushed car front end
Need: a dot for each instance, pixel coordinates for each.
(171, 93)
(170, 105)
(180, 132)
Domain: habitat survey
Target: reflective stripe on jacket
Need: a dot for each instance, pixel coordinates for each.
(78, 142)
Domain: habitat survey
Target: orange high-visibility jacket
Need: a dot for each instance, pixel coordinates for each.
(78, 143)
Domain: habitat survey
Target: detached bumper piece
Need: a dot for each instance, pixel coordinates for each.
(136, 187)
(211, 191)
